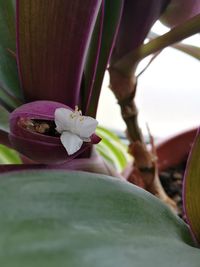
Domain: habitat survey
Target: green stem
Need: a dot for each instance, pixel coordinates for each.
(127, 64)
(191, 50)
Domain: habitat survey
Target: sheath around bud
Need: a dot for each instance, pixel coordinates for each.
(33, 133)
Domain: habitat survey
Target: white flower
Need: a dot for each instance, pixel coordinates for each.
(74, 128)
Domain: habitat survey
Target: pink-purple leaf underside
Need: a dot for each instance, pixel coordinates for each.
(52, 40)
(93, 164)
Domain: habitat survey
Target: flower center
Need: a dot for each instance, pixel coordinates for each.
(45, 127)
(77, 114)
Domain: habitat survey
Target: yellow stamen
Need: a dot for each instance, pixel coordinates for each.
(77, 113)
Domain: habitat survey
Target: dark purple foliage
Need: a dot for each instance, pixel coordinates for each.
(137, 19)
(52, 41)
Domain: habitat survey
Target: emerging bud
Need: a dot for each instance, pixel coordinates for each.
(33, 133)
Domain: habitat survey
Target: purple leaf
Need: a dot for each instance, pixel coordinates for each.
(137, 19)
(92, 59)
(112, 17)
(94, 164)
(179, 11)
(52, 40)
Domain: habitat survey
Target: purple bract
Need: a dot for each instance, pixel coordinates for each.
(33, 134)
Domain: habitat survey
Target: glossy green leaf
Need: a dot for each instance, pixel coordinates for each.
(4, 119)
(80, 219)
(8, 67)
(9, 156)
(112, 16)
(192, 189)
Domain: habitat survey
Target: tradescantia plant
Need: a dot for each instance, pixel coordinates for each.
(54, 54)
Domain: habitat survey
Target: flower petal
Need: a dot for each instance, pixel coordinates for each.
(63, 119)
(71, 142)
(67, 120)
(87, 126)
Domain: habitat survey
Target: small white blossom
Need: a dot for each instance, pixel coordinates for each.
(74, 128)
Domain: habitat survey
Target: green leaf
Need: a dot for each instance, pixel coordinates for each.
(104, 151)
(9, 156)
(9, 101)
(51, 218)
(112, 149)
(8, 67)
(192, 189)
(111, 135)
(4, 119)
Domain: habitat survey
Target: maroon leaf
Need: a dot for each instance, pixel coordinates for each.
(137, 19)
(175, 149)
(179, 11)
(52, 37)
(94, 164)
(19, 167)
(92, 60)
(112, 17)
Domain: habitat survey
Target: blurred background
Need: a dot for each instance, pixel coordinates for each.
(168, 94)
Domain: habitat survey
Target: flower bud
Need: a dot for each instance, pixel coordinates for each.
(33, 133)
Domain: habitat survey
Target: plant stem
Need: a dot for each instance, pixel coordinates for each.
(124, 89)
(145, 165)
